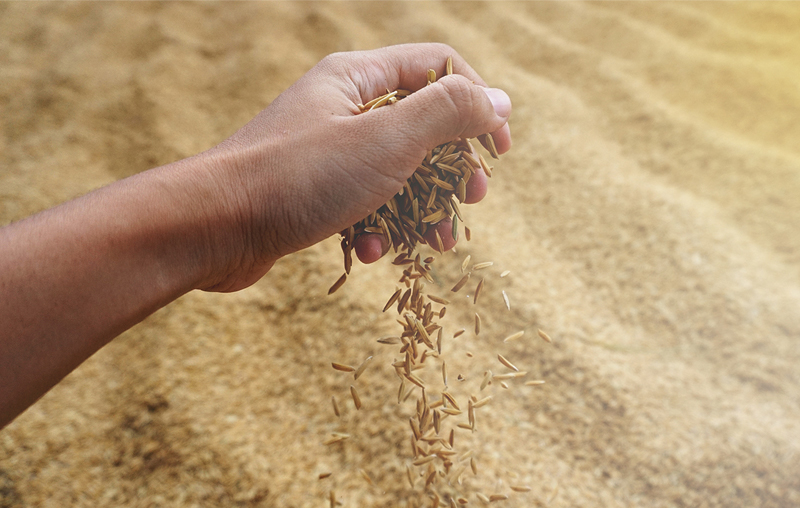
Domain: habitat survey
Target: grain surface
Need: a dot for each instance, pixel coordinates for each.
(645, 212)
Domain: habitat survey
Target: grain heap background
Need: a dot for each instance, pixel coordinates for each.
(648, 212)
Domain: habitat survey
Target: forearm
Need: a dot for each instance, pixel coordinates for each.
(75, 276)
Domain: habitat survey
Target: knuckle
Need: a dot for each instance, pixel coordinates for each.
(333, 61)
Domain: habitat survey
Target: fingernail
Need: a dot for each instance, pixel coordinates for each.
(500, 101)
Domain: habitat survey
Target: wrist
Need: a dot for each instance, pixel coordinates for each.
(228, 217)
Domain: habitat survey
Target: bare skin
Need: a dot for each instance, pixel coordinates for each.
(74, 277)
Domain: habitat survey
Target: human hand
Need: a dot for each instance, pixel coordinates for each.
(310, 164)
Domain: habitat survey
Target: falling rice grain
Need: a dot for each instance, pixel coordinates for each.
(505, 299)
(545, 337)
(444, 372)
(471, 414)
(514, 336)
(451, 400)
(467, 233)
(474, 465)
(505, 273)
(455, 335)
(487, 378)
(332, 498)
(335, 406)
(478, 289)
(482, 402)
(416, 380)
(457, 474)
(510, 375)
(361, 368)
(356, 398)
(424, 460)
(520, 488)
(535, 382)
(481, 266)
(322, 476)
(337, 284)
(342, 367)
(460, 284)
(392, 299)
(482, 497)
(401, 303)
(465, 263)
(497, 497)
(431, 478)
(348, 260)
(507, 363)
(438, 300)
(477, 324)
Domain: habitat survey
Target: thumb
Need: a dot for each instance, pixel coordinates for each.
(450, 108)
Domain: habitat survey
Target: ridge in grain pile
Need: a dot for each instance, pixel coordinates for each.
(431, 195)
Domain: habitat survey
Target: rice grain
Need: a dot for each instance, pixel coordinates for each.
(514, 336)
(507, 363)
(361, 368)
(478, 289)
(461, 283)
(338, 284)
(342, 367)
(356, 398)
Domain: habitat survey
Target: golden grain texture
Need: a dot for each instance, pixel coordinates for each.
(649, 195)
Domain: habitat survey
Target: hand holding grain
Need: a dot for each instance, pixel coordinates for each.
(310, 165)
(305, 168)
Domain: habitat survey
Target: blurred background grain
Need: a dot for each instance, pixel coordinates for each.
(649, 213)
